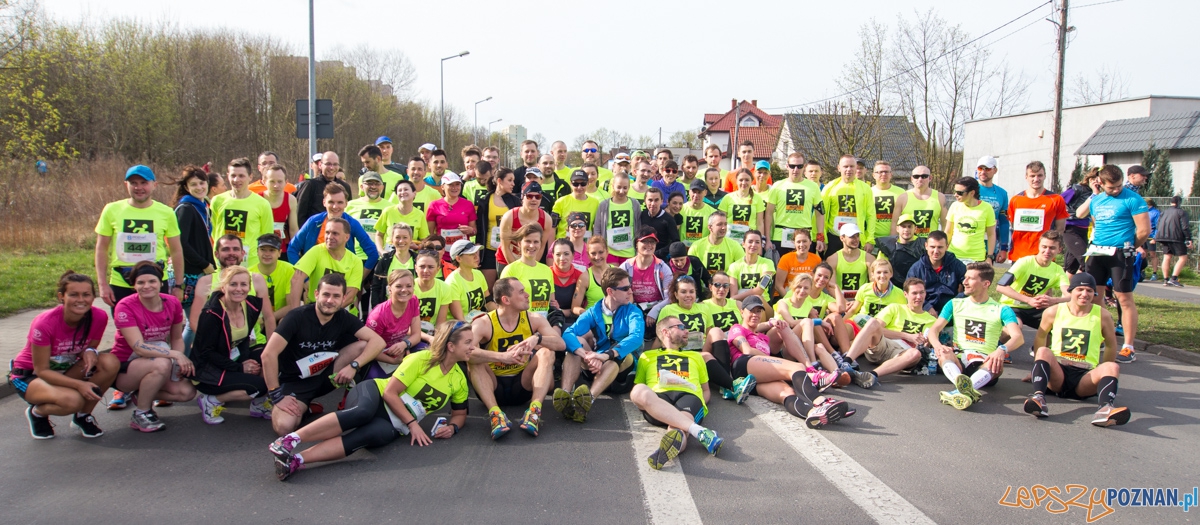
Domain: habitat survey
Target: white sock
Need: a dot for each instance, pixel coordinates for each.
(951, 371)
(695, 430)
(81, 415)
(295, 436)
(980, 378)
(299, 457)
(35, 412)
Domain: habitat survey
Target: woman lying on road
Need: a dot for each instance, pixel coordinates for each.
(227, 369)
(377, 412)
(59, 372)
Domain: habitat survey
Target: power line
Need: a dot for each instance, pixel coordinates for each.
(934, 59)
(1095, 4)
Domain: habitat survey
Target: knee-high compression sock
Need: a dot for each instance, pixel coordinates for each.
(980, 378)
(720, 350)
(1107, 390)
(1041, 376)
(803, 386)
(795, 406)
(951, 371)
(718, 375)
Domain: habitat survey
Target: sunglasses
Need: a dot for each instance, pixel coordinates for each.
(670, 170)
(720, 285)
(590, 150)
(920, 176)
(579, 184)
(438, 247)
(623, 288)
(674, 326)
(686, 279)
(534, 196)
(960, 193)
(579, 225)
(795, 166)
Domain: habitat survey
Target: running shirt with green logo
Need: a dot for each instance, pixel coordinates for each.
(898, 318)
(390, 178)
(927, 213)
(428, 384)
(673, 371)
(747, 275)
(538, 281)
(279, 285)
(409, 265)
(871, 303)
(1077, 339)
(620, 229)
(822, 302)
(696, 319)
(723, 317)
(470, 294)
(247, 218)
(970, 224)
(885, 204)
(801, 312)
(603, 176)
(421, 200)
(975, 326)
(796, 203)
(318, 262)
(850, 276)
(639, 196)
(138, 234)
(847, 203)
(718, 257)
(392, 215)
(367, 213)
(695, 223)
(471, 190)
(429, 302)
(599, 194)
(742, 213)
(568, 204)
(1031, 279)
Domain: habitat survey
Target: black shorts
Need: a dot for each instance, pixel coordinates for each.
(684, 401)
(623, 382)
(974, 367)
(1117, 266)
(487, 260)
(1072, 375)
(510, 392)
(1074, 245)
(308, 389)
(739, 369)
(1031, 317)
(1171, 247)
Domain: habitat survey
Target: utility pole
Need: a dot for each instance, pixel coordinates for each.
(312, 87)
(660, 142)
(1063, 29)
(737, 117)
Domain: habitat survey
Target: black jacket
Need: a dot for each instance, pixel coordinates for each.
(197, 245)
(310, 197)
(902, 256)
(481, 214)
(1173, 226)
(379, 277)
(665, 228)
(210, 350)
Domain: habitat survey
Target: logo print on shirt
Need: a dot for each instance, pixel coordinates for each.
(475, 299)
(967, 224)
(741, 213)
(793, 199)
(369, 213)
(874, 308)
(620, 218)
(1035, 285)
(676, 365)
(975, 330)
(912, 327)
(693, 226)
(1075, 342)
(431, 398)
(724, 320)
(235, 222)
(851, 281)
(693, 322)
(504, 343)
(847, 204)
(540, 289)
(715, 261)
(884, 205)
(427, 304)
(137, 226)
(923, 220)
(748, 280)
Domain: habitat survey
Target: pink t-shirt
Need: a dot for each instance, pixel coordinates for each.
(391, 328)
(758, 341)
(155, 326)
(447, 217)
(48, 329)
(645, 287)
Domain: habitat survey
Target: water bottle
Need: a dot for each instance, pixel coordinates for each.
(174, 370)
(932, 366)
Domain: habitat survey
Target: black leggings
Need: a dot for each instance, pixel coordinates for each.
(366, 419)
(234, 381)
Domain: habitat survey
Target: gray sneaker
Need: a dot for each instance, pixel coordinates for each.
(863, 379)
(146, 422)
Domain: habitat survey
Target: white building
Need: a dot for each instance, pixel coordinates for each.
(515, 133)
(1016, 140)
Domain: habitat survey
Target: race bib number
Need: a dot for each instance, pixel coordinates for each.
(451, 235)
(620, 238)
(279, 227)
(314, 364)
(788, 238)
(738, 231)
(840, 221)
(136, 247)
(494, 238)
(1100, 250)
(1029, 220)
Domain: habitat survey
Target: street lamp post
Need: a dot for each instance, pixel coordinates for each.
(475, 129)
(489, 137)
(442, 127)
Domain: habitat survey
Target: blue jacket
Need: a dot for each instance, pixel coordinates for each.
(306, 238)
(940, 287)
(629, 328)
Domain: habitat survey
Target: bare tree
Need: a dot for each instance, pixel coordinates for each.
(826, 132)
(391, 67)
(685, 139)
(16, 19)
(1105, 85)
(866, 76)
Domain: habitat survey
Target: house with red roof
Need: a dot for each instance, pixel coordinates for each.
(744, 121)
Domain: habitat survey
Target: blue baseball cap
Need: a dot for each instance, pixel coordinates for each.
(140, 171)
(762, 165)
(383, 139)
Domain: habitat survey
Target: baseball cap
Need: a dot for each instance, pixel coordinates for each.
(858, 161)
(270, 240)
(753, 302)
(907, 217)
(382, 139)
(621, 157)
(698, 185)
(428, 145)
(638, 153)
(849, 230)
(451, 178)
(678, 249)
(370, 176)
(762, 165)
(462, 247)
(579, 175)
(1136, 169)
(533, 171)
(316, 157)
(140, 171)
(577, 216)
(648, 236)
(1082, 279)
(987, 161)
(531, 187)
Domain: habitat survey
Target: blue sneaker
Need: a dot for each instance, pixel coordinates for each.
(711, 441)
(1119, 330)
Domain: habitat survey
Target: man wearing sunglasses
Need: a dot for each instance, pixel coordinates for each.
(922, 202)
(668, 184)
(577, 201)
(603, 345)
(591, 155)
(971, 223)
(794, 203)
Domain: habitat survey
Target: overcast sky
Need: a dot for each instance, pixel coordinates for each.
(562, 68)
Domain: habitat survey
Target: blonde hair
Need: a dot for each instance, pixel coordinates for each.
(398, 274)
(799, 279)
(442, 339)
(879, 263)
(229, 272)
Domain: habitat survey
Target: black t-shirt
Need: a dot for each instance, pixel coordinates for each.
(306, 336)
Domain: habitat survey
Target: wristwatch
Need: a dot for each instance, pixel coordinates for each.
(354, 365)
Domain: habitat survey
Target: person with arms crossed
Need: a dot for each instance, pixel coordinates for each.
(940, 270)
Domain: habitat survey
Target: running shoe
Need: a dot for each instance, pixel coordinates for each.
(563, 403)
(1175, 283)
(822, 379)
(160, 403)
(146, 422)
(864, 379)
(711, 441)
(118, 401)
(582, 399)
(261, 407)
(843, 379)
(500, 424)
(1035, 405)
(742, 387)
(727, 393)
(1154, 277)
(824, 412)
(39, 427)
(282, 448)
(955, 399)
(1109, 415)
(964, 386)
(86, 426)
(284, 468)
(1120, 330)
(210, 409)
(1126, 355)
(668, 449)
(529, 423)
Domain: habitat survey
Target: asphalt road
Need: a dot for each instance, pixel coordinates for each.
(903, 458)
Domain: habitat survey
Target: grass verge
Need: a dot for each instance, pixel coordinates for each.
(1168, 323)
(27, 278)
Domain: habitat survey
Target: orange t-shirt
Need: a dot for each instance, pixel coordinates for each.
(261, 189)
(791, 266)
(1030, 218)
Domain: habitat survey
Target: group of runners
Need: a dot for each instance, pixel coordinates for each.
(646, 275)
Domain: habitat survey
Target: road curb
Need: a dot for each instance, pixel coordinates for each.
(1169, 352)
(6, 389)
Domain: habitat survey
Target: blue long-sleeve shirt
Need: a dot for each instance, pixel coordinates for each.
(306, 238)
(940, 286)
(626, 336)
(998, 198)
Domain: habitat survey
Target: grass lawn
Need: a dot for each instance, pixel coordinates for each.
(27, 279)
(1168, 322)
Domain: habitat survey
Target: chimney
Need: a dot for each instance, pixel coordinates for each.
(754, 102)
(733, 104)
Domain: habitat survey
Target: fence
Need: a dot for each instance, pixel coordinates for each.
(1192, 206)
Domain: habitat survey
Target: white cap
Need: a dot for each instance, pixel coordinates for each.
(849, 230)
(428, 145)
(987, 161)
(317, 157)
(450, 178)
(463, 246)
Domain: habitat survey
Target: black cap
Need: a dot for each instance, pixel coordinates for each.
(270, 240)
(752, 302)
(531, 187)
(1135, 169)
(678, 249)
(577, 216)
(579, 175)
(697, 185)
(1082, 279)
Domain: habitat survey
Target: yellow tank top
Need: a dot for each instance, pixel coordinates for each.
(1077, 339)
(851, 275)
(926, 213)
(503, 339)
(495, 213)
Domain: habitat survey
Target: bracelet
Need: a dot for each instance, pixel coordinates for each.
(276, 395)
(409, 424)
(455, 427)
(92, 350)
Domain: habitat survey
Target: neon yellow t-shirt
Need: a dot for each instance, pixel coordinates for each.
(1031, 279)
(1077, 338)
(802, 312)
(318, 262)
(568, 204)
(742, 213)
(247, 218)
(795, 206)
(872, 304)
(970, 224)
(898, 318)
(696, 319)
(695, 223)
(655, 365)
(367, 213)
(717, 257)
(138, 234)
(723, 317)
(470, 294)
(432, 300)
(747, 275)
(885, 204)
(428, 384)
(538, 281)
(392, 215)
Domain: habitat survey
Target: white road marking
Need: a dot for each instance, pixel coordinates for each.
(875, 498)
(665, 493)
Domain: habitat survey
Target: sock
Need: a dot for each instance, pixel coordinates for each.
(876, 374)
(980, 378)
(536, 404)
(717, 374)
(294, 436)
(798, 380)
(695, 430)
(951, 371)
(139, 411)
(36, 414)
(794, 406)
(81, 415)
(1106, 389)
(837, 358)
(494, 409)
(720, 350)
(1041, 376)
(299, 457)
